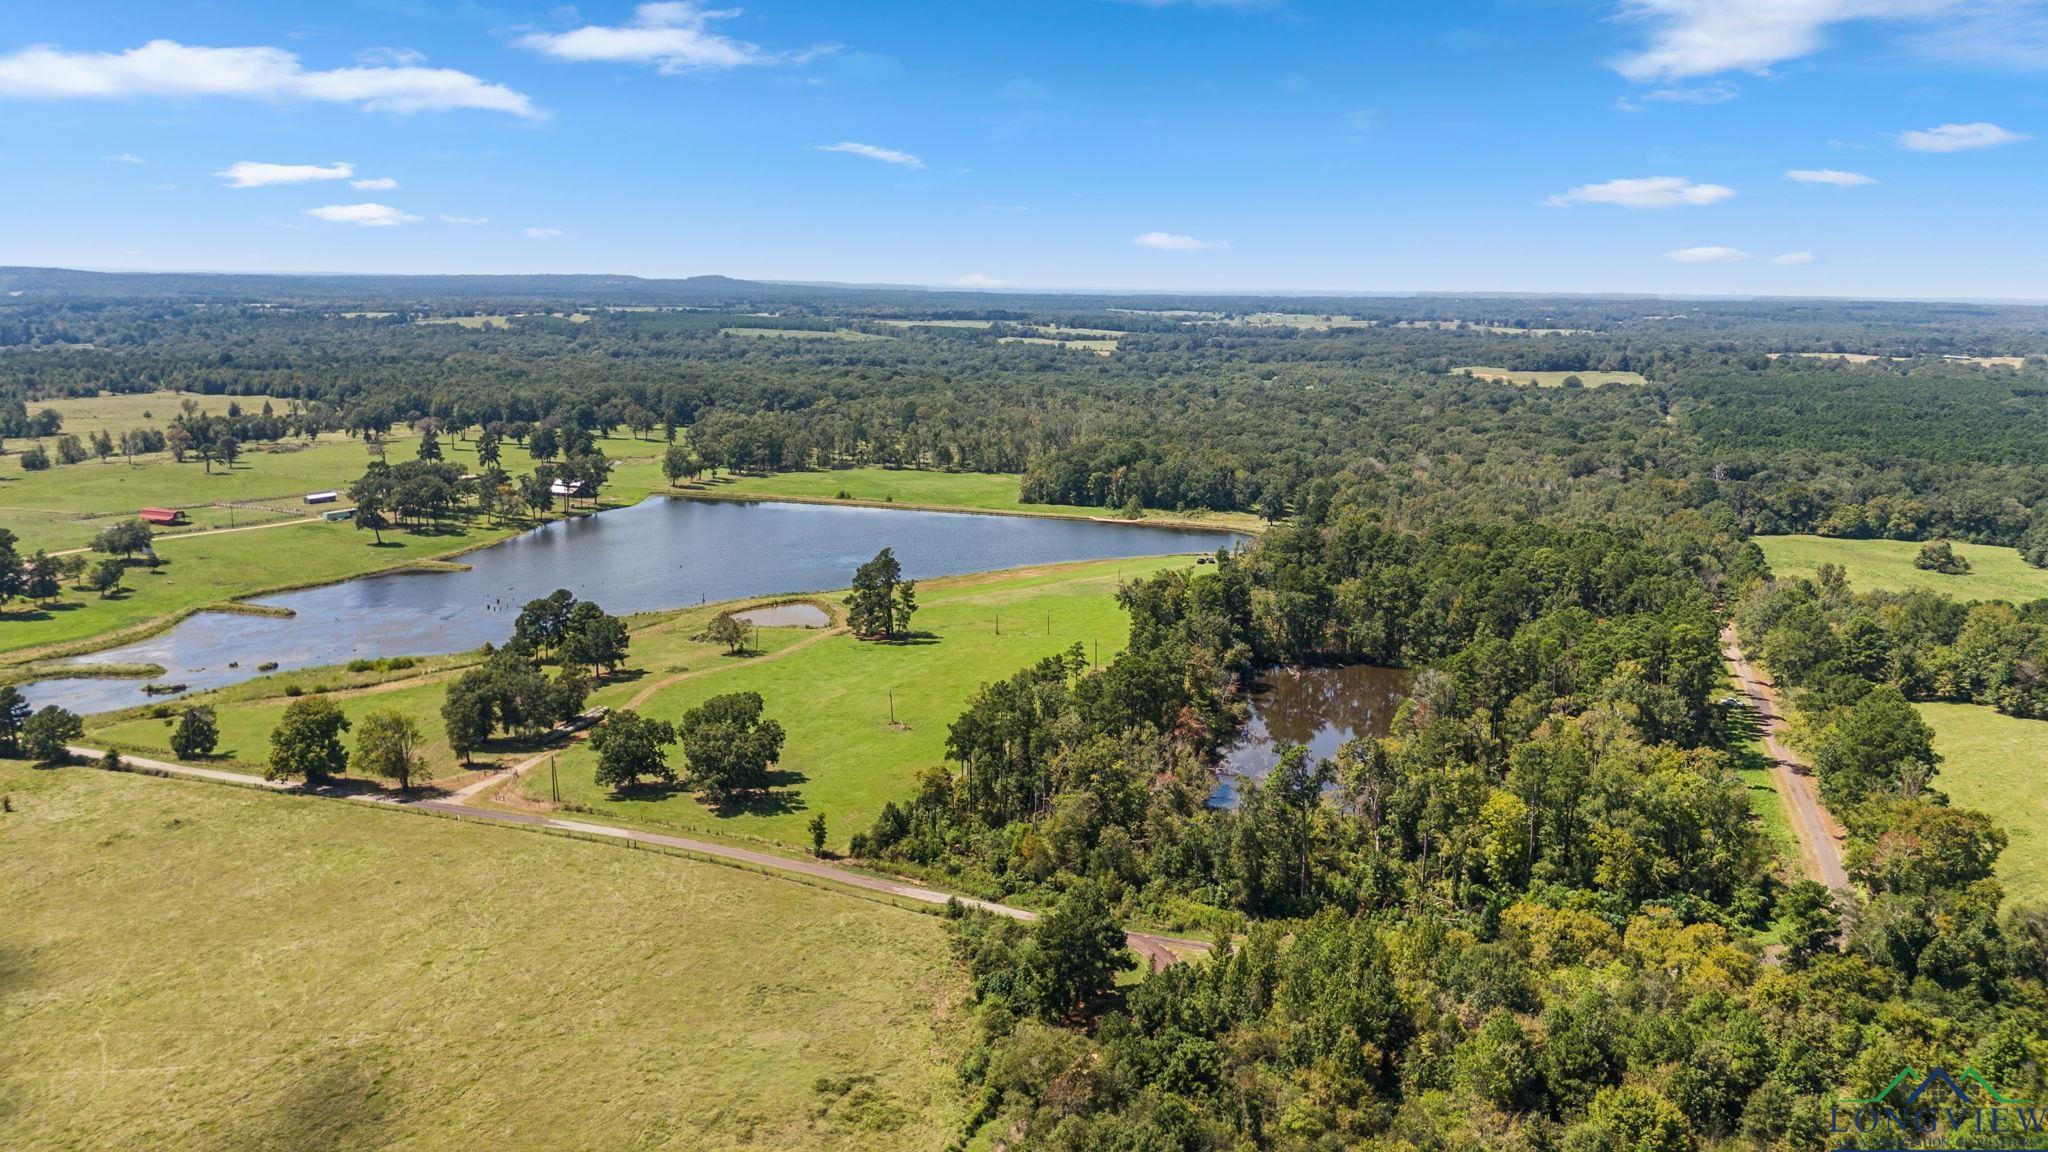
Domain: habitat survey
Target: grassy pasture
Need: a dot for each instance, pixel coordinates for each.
(1058, 331)
(1867, 358)
(843, 757)
(1099, 347)
(923, 488)
(830, 692)
(283, 973)
(2000, 765)
(1553, 379)
(1887, 566)
(119, 412)
(498, 321)
(1300, 320)
(846, 334)
(65, 506)
(936, 323)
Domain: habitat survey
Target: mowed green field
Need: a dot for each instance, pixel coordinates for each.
(194, 966)
(1553, 379)
(842, 757)
(115, 413)
(1887, 566)
(2000, 765)
(912, 488)
(65, 506)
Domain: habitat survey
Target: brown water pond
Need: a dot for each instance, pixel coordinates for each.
(798, 614)
(1321, 706)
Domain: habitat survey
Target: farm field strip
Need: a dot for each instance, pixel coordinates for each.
(1887, 566)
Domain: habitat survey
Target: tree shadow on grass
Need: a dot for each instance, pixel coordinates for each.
(39, 612)
(904, 639)
(333, 1099)
(643, 790)
(778, 798)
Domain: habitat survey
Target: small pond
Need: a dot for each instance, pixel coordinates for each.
(797, 614)
(657, 554)
(1321, 707)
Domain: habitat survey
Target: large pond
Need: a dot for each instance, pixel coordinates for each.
(661, 553)
(1321, 707)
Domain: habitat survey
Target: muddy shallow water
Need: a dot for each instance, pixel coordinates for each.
(785, 616)
(1321, 707)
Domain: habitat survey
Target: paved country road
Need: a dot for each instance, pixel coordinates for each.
(1157, 950)
(1820, 838)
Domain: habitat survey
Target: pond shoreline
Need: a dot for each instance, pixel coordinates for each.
(1176, 524)
(14, 665)
(659, 552)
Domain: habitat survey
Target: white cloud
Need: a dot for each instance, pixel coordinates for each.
(1706, 37)
(251, 174)
(885, 155)
(541, 233)
(1719, 92)
(377, 184)
(1644, 192)
(1711, 254)
(390, 56)
(166, 68)
(1794, 259)
(465, 221)
(1175, 242)
(126, 158)
(1833, 177)
(674, 36)
(1959, 137)
(2000, 33)
(980, 280)
(362, 215)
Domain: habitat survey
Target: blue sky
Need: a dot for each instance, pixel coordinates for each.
(1798, 147)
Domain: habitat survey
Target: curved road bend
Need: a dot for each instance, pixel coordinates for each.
(1820, 838)
(1157, 950)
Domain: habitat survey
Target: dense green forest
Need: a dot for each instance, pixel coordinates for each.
(1541, 912)
(1193, 410)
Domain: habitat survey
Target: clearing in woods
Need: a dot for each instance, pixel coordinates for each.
(1887, 566)
(1999, 765)
(1590, 379)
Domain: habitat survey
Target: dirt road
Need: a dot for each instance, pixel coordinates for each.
(1158, 950)
(212, 532)
(1820, 838)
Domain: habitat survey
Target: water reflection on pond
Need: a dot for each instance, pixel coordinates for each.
(1321, 707)
(657, 554)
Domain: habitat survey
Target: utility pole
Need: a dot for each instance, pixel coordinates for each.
(999, 621)
(554, 782)
(892, 707)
